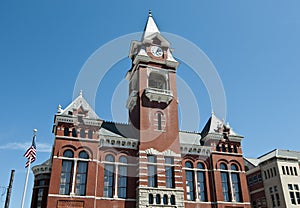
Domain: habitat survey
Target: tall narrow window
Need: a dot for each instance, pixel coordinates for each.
(66, 131)
(165, 199)
(82, 133)
(190, 183)
(225, 182)
(159, 121)
(109, 176)
(172, 200)
(66, 173)
(170, 182)
(90, 134)
(122, 177)
(152, 174)
(81, 174)
(235, 183)
(40, 194)
(74, 132)
(201, 182)
(151, 199)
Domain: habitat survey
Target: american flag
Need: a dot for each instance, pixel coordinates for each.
(30, 154)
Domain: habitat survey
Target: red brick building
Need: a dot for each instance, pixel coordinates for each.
(148, 162)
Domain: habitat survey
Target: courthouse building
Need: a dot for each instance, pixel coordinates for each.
(148, 162)
(274, 179)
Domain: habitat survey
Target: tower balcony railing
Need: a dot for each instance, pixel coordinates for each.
(159, 95)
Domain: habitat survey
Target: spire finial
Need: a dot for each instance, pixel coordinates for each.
(150, 13)
(80, 93)
(59, 109)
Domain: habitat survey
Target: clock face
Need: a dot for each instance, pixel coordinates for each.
(156, 51)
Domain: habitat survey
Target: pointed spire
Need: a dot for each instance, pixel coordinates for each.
(150, 27)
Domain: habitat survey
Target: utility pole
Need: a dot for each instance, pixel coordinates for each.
(8, 193)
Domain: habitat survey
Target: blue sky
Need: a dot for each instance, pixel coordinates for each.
(254, 45)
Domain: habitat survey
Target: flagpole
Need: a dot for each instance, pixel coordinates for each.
(27, 175)
(26, 181)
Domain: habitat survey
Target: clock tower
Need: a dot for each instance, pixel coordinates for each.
(153, 113)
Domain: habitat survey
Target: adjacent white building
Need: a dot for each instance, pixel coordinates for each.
(274, 179)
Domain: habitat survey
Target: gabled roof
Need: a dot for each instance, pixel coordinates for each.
(214, 124)
(79, 102)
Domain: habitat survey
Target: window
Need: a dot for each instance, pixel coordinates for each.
(172, 200)
(122, 177)
(259, 177)
(74, 132)
(159, 121)
(81, 174)
(273, 200)
(294, 191)
(295, 171)
(82, 133)
(165, 199)
(170, 182)
(255, 179)
(152, 174)
(66, 173)
(271, 170)
(40, 194)
(277, 199)
(150, 199)
(287, 170)
(66, 131)
(268, 171)
(201, 182)
(225, 182)
(291, 170)
(250, 181)
(190, 193)
(90, 134)
(235, 149)
(157, 199)
(109, 176)
(283, 170)
(223, 148)
(157, 81)
(275, 172)
(265, 174)
(235, 183)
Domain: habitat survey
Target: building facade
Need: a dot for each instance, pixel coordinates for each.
(148, 162)
(274, 179)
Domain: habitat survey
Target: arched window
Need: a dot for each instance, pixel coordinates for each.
(81, 175)
(66, 131)
(223, 148)
(158, 199)
(157, 81)
(201, 182)
(82, 133)
(122, 177)
(90, 134)
(235, 183)
(109, 176)
(152, 172)
(66, 173)
(151, 199)
(172, 200)
(190, 183)
(225, 182)
(235, 149)
(74, 132)
(165, 199)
